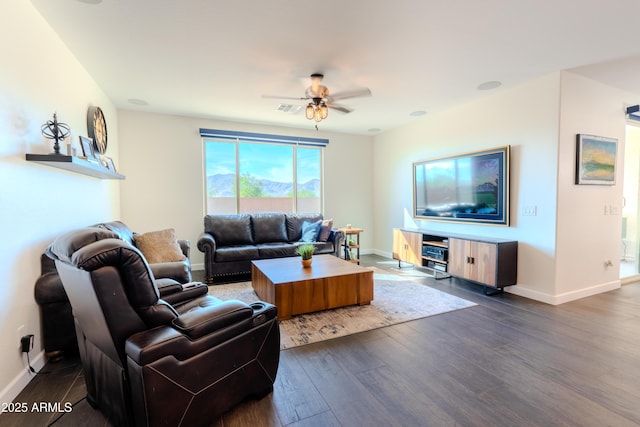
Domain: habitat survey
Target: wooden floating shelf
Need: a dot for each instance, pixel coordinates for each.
(74, 164)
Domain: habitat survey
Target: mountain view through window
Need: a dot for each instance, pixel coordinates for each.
(260, 177)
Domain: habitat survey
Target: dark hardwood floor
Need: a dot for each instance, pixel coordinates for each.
(509, 361)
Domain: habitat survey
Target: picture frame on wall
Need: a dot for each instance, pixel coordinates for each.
(596, 160)
(87, 148)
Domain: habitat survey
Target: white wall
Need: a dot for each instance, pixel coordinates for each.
(562, 249)
(39, 76)
(526, 118)
(162, 159)
(587, 237)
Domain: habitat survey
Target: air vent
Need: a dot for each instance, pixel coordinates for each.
(288, 108)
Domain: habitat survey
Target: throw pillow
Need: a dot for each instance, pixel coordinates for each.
(310, 231)
(159, 246)
(325, 230)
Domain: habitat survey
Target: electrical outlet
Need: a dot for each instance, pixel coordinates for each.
(26, 343)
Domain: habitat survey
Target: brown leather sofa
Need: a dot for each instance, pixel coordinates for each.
(231, 242)
(147, 362)
(58, 332)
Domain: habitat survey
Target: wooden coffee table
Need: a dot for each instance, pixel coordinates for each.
(329, 283)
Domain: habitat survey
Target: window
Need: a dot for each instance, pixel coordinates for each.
(247, 172)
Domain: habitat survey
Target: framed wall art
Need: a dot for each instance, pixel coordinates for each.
(596, 160)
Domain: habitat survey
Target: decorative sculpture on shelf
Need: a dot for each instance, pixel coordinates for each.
(56, 131)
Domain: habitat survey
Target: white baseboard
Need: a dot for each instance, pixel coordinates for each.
(525, 292)
(13, 389)
(587, 292)
(558, 299)
(382, 253)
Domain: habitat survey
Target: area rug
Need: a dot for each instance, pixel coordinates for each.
(396, 300)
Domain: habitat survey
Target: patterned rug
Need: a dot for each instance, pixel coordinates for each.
(396, 300)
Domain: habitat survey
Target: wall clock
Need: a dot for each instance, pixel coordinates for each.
(97, 129)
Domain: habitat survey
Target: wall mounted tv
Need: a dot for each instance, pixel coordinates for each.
(471, 187)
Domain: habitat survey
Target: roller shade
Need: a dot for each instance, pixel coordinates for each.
(263, 137)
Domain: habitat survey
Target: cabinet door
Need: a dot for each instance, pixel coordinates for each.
(483, 262)
(407, 246)
(458, 256)
(473, 260)
(414, 242)
(398, 245)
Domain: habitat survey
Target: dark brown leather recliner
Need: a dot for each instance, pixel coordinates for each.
(148, 362)
(58, 332)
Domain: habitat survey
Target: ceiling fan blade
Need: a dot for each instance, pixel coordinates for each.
(297, 98)
(340, 108)
(365, 91)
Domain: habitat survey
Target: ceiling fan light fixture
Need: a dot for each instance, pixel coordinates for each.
(319, 101)
(324, 111)
(309, 112)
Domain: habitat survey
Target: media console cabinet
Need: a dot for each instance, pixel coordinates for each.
(483, 260)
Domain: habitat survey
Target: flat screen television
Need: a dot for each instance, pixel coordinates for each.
(470, 187)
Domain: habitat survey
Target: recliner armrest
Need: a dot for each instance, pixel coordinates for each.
(151, 345)
(175, 293)
(179, 271)
(203, 320)
(185, 247)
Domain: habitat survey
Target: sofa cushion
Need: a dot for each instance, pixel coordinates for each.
(310, 231)
(228, 230)
(294, 224)
(269, 227)
(276, 250)
(159, 246)
(325, 230)
(236, 253)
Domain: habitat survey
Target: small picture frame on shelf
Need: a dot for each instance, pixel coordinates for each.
(87, 148)
(108, 162)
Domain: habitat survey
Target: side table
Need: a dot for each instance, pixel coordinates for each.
(348, 232)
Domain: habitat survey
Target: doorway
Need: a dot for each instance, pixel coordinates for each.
(629, 252)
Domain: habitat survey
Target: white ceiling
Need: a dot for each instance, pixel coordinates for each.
(216, 58)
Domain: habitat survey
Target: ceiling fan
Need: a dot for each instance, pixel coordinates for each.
(320, 100)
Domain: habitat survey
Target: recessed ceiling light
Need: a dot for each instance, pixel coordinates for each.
(135, 101)
(489, 85)
(418, 113)
(374, 130)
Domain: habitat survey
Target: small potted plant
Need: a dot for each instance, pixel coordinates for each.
(306, 252)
